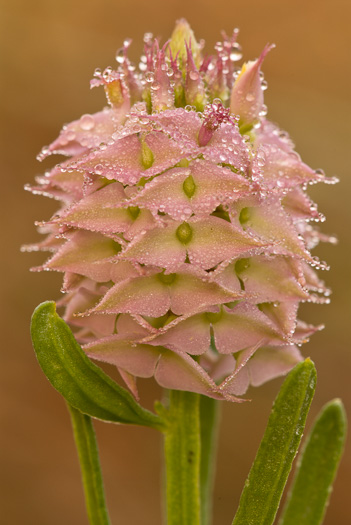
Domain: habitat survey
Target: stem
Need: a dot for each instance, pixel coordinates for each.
(209, 417)
(182, 454)
(88, 454)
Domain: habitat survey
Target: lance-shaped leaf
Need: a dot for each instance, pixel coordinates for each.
(84, 385)
(310, 492)
(265, 484)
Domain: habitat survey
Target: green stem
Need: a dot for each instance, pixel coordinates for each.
(183, 456)
(209, 419)
(85, 439)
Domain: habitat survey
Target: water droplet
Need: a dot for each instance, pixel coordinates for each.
(148, 38)
(155, 86)
(194, 75)
(263, 111)
(120, 55)
(235, 53)
(87, 122)
(98, 169)
(250, 97)
(149, 76)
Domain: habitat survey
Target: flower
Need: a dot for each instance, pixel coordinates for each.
(184, 233)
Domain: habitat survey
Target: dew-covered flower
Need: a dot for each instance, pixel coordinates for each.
(184, 232)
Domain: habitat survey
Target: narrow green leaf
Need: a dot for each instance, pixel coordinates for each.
(88, 454)
(316, 469)
(264, 486)
(84, 385)
(209, 418)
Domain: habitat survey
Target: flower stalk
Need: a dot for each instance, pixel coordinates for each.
(183, 459)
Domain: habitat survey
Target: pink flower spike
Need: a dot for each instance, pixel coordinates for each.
(184, 230)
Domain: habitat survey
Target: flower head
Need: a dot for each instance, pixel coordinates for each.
(185, 243)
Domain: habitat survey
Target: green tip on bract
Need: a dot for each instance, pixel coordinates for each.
(184, 233)
(147, 157)
(182, 34)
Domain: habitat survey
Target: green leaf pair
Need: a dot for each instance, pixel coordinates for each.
(317, 467)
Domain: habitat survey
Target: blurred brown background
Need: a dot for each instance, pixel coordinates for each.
(49, 52)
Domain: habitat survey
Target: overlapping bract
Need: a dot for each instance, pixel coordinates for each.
(184, 233)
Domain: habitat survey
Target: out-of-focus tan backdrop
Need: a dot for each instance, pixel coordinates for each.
(49, 52)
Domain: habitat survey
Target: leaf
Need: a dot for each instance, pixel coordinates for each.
(309, 495)
(88, 453)
(264, 486)
(84, 385)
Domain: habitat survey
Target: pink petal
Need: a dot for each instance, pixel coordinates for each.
(137, 359)
(181, 125)
(271, 362)
(270, 222)
(271, 279)
(166, 151)
(300, 206)
(189, 293)
(130, 381)
(141, 295)
(215, 240)
(247, 94)
(242, 327)
(70, 182)
(191, 335)
(95, 213)
(282, 166)
(238, 382)
(85, 253)
(217, 366)
(225, 276)
(159, 246)
(87, 132)
(283, 315)
(181, 372)
(227, 146)
(214, 185)
(120, 161)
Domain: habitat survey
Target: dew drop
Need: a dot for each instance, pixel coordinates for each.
(263, 111)
(235, 53)
(194, 75)
(149, 76)
(120, 55)
(148, 38)
(98, 169)
(87, 122)
(155, 86)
